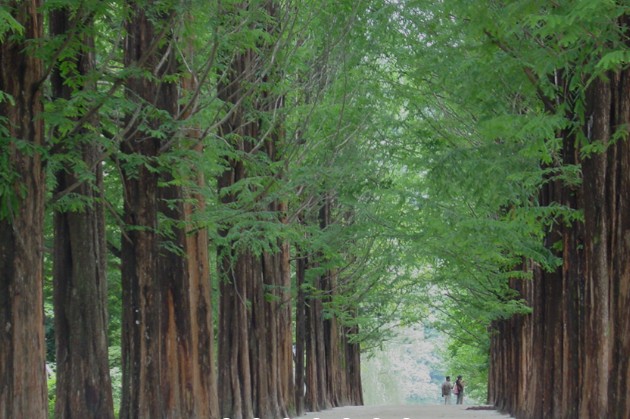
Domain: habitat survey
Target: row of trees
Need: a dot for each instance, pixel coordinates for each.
(525, 115)
(242, 192)
(579, 327)
(189, 154)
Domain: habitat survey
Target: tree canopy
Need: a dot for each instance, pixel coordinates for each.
(238, 198)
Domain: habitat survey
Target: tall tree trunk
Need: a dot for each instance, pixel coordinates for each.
(22, 346)
(317, 397)
(619, 263)
(255, 350)
(166, 316)
(606, 246)
(300, 332)
(80, 289)
(237, 276)
(351, 367)
(199, 270)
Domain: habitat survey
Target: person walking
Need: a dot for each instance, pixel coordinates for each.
(447, 387)
(459, 389)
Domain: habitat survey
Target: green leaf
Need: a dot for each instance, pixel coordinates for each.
(614, 60)
(8, 23)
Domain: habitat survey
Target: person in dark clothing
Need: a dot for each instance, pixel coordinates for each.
(459, 389)
(447, 387)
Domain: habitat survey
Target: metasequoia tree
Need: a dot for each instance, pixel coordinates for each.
(544, 87)
(328, 136)
(328, 361)
(255, 353)
(22, 347)
(565, 359)
(83, 385)
(197, 251)
(167, 369)
(579, 323)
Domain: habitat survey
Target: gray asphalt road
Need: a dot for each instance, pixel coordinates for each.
(404, 412)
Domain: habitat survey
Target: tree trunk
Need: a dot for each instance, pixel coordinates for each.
(198, 260)
(317, 397)
(22, 346)
(618, 194)
(255, 338)
(607, 266)
(351, 367)
(166, 329)
(83, 385)
(300, 332)
(236, 271)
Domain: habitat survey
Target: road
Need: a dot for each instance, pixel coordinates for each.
(404, 412)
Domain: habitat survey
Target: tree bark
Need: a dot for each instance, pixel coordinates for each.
(332, 364)
(166, 330)
(83, 386)
(317, 397)
(198, 259)
(351, 367)
(569, 352)
(255, 338)
(22, 345)
(300, 332)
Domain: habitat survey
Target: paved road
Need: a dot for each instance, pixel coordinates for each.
(404, 412)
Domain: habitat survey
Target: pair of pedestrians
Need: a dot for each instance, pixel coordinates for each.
(457, 389)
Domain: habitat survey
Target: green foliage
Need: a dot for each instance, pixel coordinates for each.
(115, 373)
(429, 128)
(52, 389)
(8, 24)
(471, 362)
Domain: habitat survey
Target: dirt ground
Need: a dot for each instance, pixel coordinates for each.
(404, 412)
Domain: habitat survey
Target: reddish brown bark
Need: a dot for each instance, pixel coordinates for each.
(22, 345)
(255, 355)
(300, 332)
(566, 359)
(255, 338)
(332, 370)
(351, 367)
(317, 396)
(197, 256)
(166, 330)
(83, 385)
(255, 351)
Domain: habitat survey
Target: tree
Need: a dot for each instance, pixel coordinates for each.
(83, 385)
(22, 345)
(255, 339)
(166, 332)
(576, 311)
(531, 121)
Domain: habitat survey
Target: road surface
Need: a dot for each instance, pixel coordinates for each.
(405, 412)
